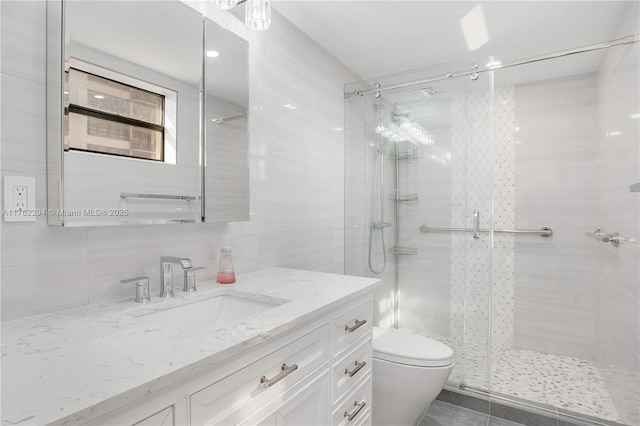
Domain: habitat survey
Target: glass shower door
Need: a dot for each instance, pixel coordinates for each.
(471, 211)
(432, 144)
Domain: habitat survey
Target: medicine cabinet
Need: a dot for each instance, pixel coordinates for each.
(142, 126)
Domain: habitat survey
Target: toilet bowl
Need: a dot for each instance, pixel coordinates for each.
(408, 373)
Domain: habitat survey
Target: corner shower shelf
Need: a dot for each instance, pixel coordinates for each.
(403, 250)
(405, 197)
(407, 155)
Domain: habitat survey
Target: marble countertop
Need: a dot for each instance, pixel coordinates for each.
(75, 365)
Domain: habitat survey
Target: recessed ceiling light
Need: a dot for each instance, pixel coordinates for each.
(289, 106)
(98, 96)
(213, 53)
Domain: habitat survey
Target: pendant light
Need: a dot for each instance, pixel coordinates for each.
(257, 13)
(224, 4)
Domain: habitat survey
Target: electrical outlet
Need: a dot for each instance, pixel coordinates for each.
(19, 199)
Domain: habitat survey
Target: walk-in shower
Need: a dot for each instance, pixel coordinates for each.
(506, 193)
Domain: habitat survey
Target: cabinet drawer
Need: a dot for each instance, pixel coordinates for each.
(355, 407)
(240, 394)
(351, 369)
(351, 326)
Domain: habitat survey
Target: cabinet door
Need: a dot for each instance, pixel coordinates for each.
(240, 395)
(310, 406)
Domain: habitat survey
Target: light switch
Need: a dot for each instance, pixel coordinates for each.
(19, 199)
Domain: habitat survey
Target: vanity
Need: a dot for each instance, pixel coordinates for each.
(279, 347)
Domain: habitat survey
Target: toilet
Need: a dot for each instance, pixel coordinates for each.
(409, 371)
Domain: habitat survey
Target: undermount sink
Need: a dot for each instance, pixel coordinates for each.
(199, 316)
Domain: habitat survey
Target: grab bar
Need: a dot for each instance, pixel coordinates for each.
(124, 195)
(226, 119)
(543, 232)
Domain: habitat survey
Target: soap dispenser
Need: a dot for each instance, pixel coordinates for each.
(226, 275)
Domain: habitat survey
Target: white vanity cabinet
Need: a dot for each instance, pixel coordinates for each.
(333, 365)
(304, 359)
(319, 373)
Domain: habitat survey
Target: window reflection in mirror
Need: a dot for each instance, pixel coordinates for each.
(110, 117)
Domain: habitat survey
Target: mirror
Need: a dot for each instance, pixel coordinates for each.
(226, 82)
(124, 111)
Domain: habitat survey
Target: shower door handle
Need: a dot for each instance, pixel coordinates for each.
(476, 224)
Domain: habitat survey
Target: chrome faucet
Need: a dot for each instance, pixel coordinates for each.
(166, 273)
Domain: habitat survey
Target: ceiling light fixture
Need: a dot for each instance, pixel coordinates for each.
(213, 53)
(257, 13)
(224, 4)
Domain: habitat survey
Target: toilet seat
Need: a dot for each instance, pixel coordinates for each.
(410, 349)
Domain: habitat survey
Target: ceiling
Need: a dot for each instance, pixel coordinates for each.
(378, 38)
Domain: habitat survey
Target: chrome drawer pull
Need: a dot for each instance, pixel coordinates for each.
(355, 412)
(285, 372)
(355, 370)
(357, 325)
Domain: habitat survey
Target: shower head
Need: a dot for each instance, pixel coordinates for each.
(427, 92)
(409, 99)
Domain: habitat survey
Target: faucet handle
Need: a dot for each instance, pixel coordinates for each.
(182, 261)
(142, 288)
(190, 278)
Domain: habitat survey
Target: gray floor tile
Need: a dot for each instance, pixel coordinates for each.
(466, 401)
(443, 414)
(497, 421)
(519, 416)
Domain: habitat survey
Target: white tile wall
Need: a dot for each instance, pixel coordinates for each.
(618, 210)
(504, 189)
(296, 160)
(554, 297)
